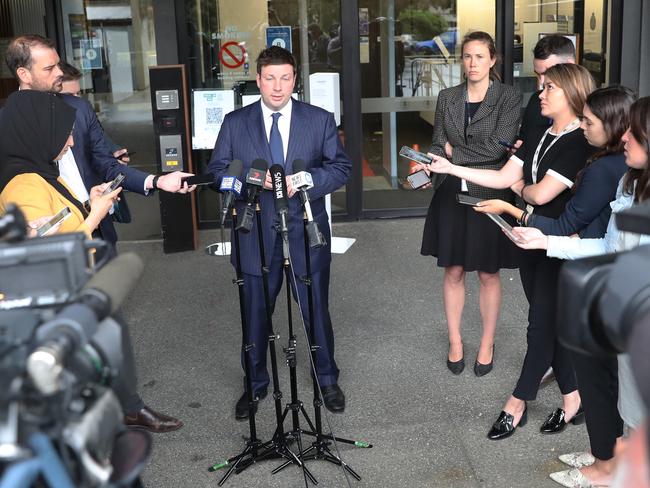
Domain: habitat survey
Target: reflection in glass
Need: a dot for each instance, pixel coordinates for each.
(224, 41)
(113, 44)
(409, 52)
(583, 21)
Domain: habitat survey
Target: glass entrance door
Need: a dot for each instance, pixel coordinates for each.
(222, 42)
(584, 22)
(408, 53)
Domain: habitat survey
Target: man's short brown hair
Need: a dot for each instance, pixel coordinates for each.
(19, 52)
(275, 55)
(70, 73)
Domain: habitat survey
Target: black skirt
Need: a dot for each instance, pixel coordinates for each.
(459, 236)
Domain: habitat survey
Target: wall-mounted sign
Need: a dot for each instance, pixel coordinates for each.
(232, 55)
(91, 53)
(209, 107)
(279, 35)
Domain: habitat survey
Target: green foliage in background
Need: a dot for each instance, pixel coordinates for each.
(422, 24)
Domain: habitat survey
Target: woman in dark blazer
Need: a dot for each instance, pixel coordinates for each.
(471, 119)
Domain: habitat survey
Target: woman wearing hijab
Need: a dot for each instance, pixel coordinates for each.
(35, 132)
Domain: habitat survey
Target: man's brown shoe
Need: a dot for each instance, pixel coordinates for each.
(148, 419)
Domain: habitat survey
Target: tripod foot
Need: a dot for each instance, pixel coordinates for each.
(218, 466)
(322, 452)
(363, 444)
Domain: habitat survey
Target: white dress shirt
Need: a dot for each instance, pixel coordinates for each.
(284, 123)
(70, 173)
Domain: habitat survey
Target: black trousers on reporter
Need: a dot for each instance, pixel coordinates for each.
(598, 386)
(125, 386)
(539, 277)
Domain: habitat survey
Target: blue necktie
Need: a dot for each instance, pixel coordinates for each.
(275, 141)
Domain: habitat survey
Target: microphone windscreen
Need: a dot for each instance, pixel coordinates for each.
(279, 188)
(117, 278)
(236, 168)
(260, 164)
(299, 165)
(257, 174)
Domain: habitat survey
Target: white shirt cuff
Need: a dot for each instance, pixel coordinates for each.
(148, 181)
(517, 160)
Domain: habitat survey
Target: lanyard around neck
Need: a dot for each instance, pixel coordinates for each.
(536, 157)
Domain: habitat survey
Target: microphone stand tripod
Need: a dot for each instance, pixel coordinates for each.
(320, 447)
(278, 446)
(253, 444)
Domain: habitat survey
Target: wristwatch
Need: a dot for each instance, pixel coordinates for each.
(154, 182)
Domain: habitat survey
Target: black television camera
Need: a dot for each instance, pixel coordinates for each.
(604, 301)
(60, 423)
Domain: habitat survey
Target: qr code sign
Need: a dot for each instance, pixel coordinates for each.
(214, 115)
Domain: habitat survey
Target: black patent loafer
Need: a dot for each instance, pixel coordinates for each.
(504, 427)
(555, 422)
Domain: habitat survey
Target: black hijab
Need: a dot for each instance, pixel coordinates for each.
(34, 127)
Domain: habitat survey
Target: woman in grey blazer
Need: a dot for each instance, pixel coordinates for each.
(471, 119)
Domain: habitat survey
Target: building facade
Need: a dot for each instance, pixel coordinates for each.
(390, 57)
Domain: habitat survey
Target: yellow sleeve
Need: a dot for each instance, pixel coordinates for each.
(36, 199)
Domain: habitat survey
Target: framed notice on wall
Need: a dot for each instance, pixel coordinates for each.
(209, 107)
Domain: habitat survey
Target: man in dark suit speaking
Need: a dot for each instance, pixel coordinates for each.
(281, 130)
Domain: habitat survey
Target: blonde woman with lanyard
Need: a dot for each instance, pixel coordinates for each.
(542, 173)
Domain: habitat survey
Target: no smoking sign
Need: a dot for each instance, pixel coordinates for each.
(232, 55)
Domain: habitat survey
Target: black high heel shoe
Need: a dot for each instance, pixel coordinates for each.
(483, 369)
(555, 422)
(504, 427)
(457, 367)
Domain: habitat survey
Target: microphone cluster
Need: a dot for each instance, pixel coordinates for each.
(301, 180)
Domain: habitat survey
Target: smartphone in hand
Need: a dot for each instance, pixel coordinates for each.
(467, 199)
(505, 226)
(48, 226)
(414, 155)
(418, 179)
(198, 180)
(114, 185)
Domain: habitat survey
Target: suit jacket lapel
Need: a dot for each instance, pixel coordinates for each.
(296, 134)
(257, 132)
(457, 111)
(490, 100)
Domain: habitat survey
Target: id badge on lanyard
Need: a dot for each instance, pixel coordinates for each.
(536, 157)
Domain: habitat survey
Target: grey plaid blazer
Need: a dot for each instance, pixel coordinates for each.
(497, 118)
